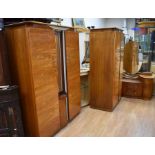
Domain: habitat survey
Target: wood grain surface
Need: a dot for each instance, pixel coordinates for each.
(73, 72)
(105, 68)
(32, 53)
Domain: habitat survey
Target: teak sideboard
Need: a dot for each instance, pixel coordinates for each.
(44, 62)
(105, 68)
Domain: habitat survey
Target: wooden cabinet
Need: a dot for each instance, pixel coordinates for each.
(105, 74)
(32, 53)
(43, 76)
(4, 68)
(147, 86)
(142, 87)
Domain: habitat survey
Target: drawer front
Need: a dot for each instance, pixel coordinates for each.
(132, 89)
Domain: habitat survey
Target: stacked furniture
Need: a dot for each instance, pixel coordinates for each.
(10, 114)
(105, 68)
(44, 61)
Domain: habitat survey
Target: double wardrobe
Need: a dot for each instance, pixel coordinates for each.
(44, 63)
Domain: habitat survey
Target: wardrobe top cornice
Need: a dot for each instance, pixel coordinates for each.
(39, 24)
(106, 28)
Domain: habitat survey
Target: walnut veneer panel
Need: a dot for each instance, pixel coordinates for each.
(104, 68)
(32, 53)
(73, 72)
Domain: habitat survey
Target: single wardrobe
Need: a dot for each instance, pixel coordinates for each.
(105, 68)
(44, 62)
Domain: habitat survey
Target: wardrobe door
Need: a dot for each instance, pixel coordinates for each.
(101, 69)
(73, 72)
(42, 45)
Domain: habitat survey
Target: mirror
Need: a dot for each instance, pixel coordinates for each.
(87, 53)
(130, 59)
